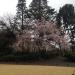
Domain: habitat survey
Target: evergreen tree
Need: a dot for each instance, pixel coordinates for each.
(66, 15)
(39, 9)
(58, 19)
(66, 19)
(22, 14)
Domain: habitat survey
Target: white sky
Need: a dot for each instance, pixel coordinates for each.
(9, 6)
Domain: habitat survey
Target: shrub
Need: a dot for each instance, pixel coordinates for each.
(6, 40)
(70, 55)
(28, 56)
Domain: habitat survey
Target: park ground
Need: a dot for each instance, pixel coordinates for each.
(50, 67)
(9, 69)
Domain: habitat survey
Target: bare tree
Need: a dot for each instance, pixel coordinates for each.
(7, 22)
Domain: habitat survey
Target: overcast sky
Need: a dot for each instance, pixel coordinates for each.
(9, 6)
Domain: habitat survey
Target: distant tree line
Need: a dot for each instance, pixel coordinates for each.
(38, 31)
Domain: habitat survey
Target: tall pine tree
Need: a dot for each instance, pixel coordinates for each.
(22, 14)
(39, 9)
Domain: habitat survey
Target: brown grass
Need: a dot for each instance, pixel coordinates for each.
(6, 69)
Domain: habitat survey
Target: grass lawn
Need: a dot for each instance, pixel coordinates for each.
(6, 69)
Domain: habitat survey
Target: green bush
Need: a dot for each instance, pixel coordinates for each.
(7, 38)
(29, 56)
(70, 55)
